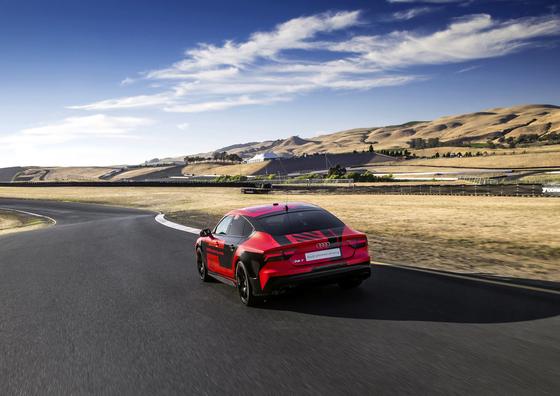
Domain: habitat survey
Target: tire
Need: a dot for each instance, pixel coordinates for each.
(349, 283)
(201, 267)
(244, 286)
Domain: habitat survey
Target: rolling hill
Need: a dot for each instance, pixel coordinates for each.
(452, 130)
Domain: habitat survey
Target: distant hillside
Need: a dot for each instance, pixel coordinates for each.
(7, 174)
(453, 130)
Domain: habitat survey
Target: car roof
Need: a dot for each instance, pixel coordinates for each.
(277, 207)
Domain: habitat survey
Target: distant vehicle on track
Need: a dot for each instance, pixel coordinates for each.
(259, 188)
(263, 250)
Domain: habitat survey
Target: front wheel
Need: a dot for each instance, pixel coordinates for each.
(201, 267)
(244, 286)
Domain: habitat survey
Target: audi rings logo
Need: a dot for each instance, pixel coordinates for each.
(323, 245)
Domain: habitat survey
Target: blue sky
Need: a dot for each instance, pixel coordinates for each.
(112, 82)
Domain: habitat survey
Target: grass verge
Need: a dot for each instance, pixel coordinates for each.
(11, 221)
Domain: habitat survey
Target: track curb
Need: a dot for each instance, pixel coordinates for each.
(160, 218)
(30, 214)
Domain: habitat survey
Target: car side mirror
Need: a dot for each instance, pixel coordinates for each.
(205, 232)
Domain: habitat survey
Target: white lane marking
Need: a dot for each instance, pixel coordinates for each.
(470, 278)
(160, 218)
(30, 214)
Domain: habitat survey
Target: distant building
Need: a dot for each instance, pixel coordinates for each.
(268, 156)
(164, 162)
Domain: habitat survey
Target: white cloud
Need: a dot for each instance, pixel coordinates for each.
(73, 128)
(184, 126)
(467, 69)
(468, 38)
(222, 104)
(127, 81)
(293, 34)
(127, 102)
(411, 13)
(261, 71)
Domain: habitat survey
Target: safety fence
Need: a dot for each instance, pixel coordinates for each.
(520, 190)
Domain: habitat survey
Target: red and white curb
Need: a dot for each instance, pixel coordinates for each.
(160, 218)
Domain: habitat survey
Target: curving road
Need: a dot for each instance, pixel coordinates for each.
(107, 301)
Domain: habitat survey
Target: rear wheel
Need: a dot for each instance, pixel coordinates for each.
(244, 286)
(201, 267)
(349, 283)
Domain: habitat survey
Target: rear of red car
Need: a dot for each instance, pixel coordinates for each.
(308, 245)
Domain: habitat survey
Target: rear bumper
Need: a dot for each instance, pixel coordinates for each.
(317, 276)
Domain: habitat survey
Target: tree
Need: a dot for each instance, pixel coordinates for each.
(371, 148)
(336, 171)
(433, 142)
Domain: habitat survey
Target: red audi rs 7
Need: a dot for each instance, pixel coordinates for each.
(263, 250)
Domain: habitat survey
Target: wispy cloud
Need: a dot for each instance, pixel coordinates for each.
(73, 128)
(128, 102)
(261, 71)
(411, 13)
(222, 104)
(183, 126)
(467, 69)
(293, 34)
(467, 38)
(127, 81)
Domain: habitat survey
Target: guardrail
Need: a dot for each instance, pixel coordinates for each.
(309, 182)
(518, 190)
(513, 190)
(133, 183)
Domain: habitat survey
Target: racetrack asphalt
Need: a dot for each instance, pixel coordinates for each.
(108, 301)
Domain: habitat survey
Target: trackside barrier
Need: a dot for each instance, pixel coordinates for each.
(516, 190)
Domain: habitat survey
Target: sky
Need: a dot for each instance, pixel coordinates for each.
(120, 82)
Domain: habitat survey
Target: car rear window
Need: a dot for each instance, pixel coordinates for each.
(297, 222)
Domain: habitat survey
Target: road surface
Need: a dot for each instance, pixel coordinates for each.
(107, 301)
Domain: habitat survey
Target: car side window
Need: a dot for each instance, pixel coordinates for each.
(240, 227)
(247, 228)
(222, 227)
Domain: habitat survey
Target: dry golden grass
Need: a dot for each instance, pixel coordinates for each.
(139, 172)
(518, 150)
(11, 222)
(495, 161)
(215, 169)
(506, 236)
(542, 178)
(76, 173)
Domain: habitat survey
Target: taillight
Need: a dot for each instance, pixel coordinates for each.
(357, 243)
(278, 256)
(273, 257)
